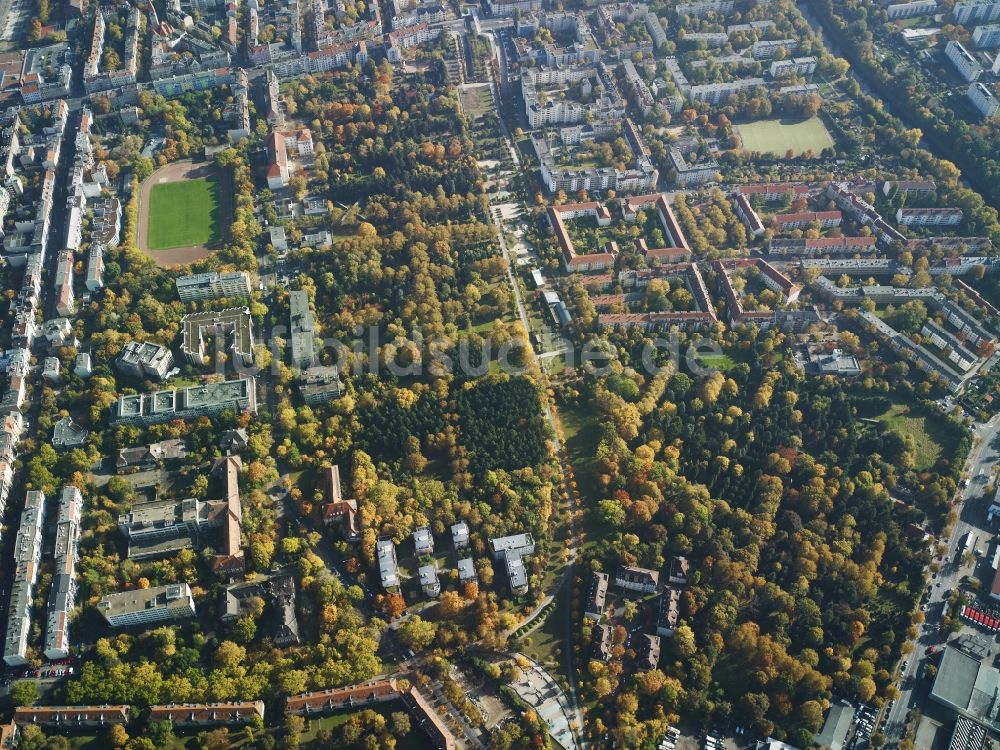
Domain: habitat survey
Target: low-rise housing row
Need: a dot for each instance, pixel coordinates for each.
(929, 217)
(804, 219)
(833, 246)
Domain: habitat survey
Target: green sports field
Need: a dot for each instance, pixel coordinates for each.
(777, 136)
(186, 213)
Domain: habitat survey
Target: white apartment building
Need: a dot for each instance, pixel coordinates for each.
(910, 10)
(801, 66)
(987, 37)
(964, 63)
(982, 98)
(976, 10)
(929, 217)
(718, 93)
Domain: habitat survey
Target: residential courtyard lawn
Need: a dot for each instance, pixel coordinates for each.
(186, 213)
(779, 135)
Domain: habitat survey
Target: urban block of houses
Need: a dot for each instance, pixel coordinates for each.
(95, 76)
(863, 212)
(639, 176)
(702, 318)
(543, 91)
(773, 279)
(164, 527)
(678, 249)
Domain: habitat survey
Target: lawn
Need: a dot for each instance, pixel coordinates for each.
(186, 213)
(582, 433)
(476, 101)
(778, 136)
(926, 431)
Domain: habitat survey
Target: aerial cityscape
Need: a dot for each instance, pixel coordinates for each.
(434, 374)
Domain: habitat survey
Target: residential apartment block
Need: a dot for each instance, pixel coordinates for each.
(597, 595)
(983, 99)
(164, 527)
(144, 359)
(964, 62)
(594, 81)
(974, 11)
(302, 329)
(803, 220)
(797, 66)
(388, 568)
(639, 580)
(187, 403)
(512, 550)
(987, 37)
(232, 330)
(898, 11)
(929, 217)
(146, 606)
(27, 557)
(213, 285)
(62, 594)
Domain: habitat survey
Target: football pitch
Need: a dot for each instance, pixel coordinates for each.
(185, 213)
(778, 136)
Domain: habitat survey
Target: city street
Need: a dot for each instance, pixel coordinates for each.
(972, 518)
